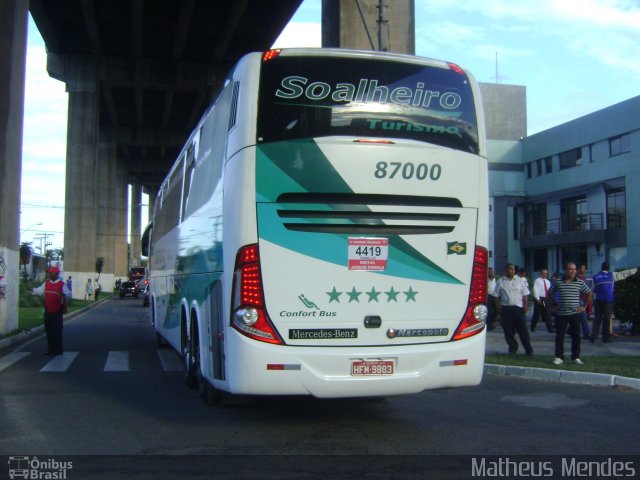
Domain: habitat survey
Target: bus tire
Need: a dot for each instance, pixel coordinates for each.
(188, 359)
(209, 394)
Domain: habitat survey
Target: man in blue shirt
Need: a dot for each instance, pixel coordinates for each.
(603, 289)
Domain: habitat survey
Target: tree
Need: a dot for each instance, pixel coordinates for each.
(627, 301)
(99, 265)
(26, 250)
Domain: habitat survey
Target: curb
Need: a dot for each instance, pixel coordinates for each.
(34, 332)
(21, 336)
(564, 376)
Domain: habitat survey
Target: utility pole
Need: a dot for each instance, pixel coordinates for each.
(382, 23)
(44, 242)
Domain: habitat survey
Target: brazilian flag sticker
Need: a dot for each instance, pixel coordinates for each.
(456, 248)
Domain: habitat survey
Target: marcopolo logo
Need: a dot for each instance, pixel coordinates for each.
(38, 469)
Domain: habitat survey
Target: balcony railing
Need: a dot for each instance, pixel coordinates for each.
(579, 223)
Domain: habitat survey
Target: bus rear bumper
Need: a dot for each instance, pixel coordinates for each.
(327, 372)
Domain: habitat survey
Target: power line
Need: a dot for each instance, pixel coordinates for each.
(35, 205)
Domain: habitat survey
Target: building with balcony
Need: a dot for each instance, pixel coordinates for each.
(571, 192)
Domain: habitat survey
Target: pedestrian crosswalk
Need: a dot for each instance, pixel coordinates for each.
(117, 362)
(114, 361)
(8, 360)
(60, 363)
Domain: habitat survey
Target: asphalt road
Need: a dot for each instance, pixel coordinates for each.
(117, 393)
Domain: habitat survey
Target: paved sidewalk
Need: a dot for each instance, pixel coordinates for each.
(543, 344)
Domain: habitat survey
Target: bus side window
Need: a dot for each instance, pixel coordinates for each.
(146, 240)
(188, 177)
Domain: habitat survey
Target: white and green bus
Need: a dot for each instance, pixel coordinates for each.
(324, 230)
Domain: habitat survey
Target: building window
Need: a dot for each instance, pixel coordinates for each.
(620, 144)
(573, 213)
(539, 259)
(571, 158)
(529, 169)
(574, 253)
(616, 208)
(548, 165)
(535, 219)
(539, 167)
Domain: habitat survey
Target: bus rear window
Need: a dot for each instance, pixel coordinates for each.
(303, 97)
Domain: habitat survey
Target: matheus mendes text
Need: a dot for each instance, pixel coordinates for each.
(563, 467)
(368, 91)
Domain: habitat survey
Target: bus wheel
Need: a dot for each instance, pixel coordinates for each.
(189, 360)
(209, 394)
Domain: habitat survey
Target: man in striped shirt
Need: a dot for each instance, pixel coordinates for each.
(565, 304)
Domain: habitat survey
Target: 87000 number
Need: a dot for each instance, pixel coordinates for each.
(421, 171)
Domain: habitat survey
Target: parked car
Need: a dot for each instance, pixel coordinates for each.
(128, 289)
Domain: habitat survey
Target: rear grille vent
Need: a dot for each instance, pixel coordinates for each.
(366, 214)
(369, 199)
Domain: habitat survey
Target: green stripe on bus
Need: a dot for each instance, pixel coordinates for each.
(299, 167)
(404, 261)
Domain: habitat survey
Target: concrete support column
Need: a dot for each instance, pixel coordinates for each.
(344, 25)
(108, 201)
(80, 198)
(120, 226)
(136, 201)
(13, 47)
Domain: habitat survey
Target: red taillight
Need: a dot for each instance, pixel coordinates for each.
(456, 68)
(475, 314)
(478, 291)
(251, 286)
(248, 314)
(270, 55)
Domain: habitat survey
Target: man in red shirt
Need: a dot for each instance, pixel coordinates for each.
(55, 292)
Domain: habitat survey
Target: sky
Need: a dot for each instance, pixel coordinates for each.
(573, 56)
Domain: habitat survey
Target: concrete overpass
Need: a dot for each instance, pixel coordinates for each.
(139, 74)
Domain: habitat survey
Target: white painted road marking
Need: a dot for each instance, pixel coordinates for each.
(117, 362)
(12, 358)
(60, 363)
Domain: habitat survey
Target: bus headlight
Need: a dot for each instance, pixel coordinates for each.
(247, 316)
(480, 312)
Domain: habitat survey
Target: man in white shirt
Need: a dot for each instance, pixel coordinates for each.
(491, 301)
(522, 273)
(541, 287)
(512, 303)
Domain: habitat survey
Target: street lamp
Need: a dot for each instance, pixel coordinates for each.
(30, 227)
